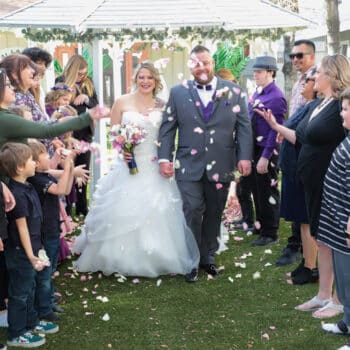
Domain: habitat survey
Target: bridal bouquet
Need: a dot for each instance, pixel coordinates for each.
(125, 137)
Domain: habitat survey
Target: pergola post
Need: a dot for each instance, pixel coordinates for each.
(98, 167)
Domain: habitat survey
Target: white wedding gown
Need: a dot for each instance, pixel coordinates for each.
(135, 225)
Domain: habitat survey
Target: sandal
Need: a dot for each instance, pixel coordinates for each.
(329, 310)
(305, 275)
(313, 304)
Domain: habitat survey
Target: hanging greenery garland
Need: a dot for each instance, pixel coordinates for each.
(189, 33)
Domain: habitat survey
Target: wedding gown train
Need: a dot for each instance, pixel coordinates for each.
(135, 225)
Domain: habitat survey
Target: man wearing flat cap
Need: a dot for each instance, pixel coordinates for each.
(263, 179)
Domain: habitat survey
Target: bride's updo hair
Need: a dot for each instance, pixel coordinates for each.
(155, 74)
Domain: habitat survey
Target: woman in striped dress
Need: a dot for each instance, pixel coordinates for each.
(334, 223)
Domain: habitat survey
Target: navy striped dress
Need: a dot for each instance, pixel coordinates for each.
(335, 209)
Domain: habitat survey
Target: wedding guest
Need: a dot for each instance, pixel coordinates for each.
(334, 226)
(75, 76)
(263, 181)
(206, 152)
(303, 60)
(319, 133)
(59, 95)
(293, 206)
(22, 249)
(48, 189)
(43, 59)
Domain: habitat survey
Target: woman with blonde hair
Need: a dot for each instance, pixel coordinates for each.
(318, 135)
(75, 76)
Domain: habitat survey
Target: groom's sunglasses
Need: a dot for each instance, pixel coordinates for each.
(298, 55)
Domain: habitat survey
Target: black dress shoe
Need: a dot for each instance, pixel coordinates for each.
(305, 275)
(263, 240)
(56, 308)
(211, 269)
(288, 257)
(192, 276)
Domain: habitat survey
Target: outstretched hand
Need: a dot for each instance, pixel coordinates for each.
(99, 112)
(9, 199)
(268, 116)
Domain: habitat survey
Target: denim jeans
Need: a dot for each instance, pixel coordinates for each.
(44, 292)
(21, 313)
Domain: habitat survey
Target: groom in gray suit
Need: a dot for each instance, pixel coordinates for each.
(214, 132)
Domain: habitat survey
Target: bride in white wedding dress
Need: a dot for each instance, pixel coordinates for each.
(135, 225)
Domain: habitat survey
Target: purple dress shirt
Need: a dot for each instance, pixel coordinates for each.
(271, 97)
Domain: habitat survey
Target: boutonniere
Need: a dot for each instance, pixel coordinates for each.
(256, 103)
(224, 93)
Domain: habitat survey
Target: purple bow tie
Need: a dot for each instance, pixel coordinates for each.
(204, 87)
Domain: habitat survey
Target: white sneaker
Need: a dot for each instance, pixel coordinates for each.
(345, 347)
(336, 328)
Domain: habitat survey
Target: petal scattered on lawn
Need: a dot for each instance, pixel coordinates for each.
(272, 328)
(230, 279)
(99, 276)
(237, 238)
(87, 313)
(268, 251)
(268, 264)
(209, 277)
(242, 265)
(83, 278)
(159, 282)
(105, 317)
(239, 275)
(266, 336)
(85, 289)
(221, 268)
(103, 299)
(256, 275)
(135, 281)
(121, 280)
(249, 233)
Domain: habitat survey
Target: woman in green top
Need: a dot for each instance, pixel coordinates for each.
(14, 128)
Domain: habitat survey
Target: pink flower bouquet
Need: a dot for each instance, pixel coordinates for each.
(124, 138)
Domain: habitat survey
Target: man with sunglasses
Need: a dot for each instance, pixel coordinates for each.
(303, 59)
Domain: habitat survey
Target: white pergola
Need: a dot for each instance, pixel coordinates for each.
(114, 15)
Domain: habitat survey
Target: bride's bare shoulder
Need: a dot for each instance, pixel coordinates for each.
(124, 102)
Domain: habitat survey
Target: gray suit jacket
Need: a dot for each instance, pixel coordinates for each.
(212, 147)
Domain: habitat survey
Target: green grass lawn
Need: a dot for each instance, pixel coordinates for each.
(209, 314)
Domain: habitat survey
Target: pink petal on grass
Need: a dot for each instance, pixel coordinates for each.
(83, 278)
(135, 281)
(266, 336)
(272, 328)
(218, 186)
(87, 313)
(236, 238)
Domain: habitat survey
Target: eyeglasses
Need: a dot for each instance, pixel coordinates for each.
(309, 79)
(298, 55)
(63, 87)
(82, 74)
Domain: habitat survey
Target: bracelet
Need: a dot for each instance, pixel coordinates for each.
(347, 233)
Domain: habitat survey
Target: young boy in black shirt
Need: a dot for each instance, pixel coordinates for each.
(22, 248)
